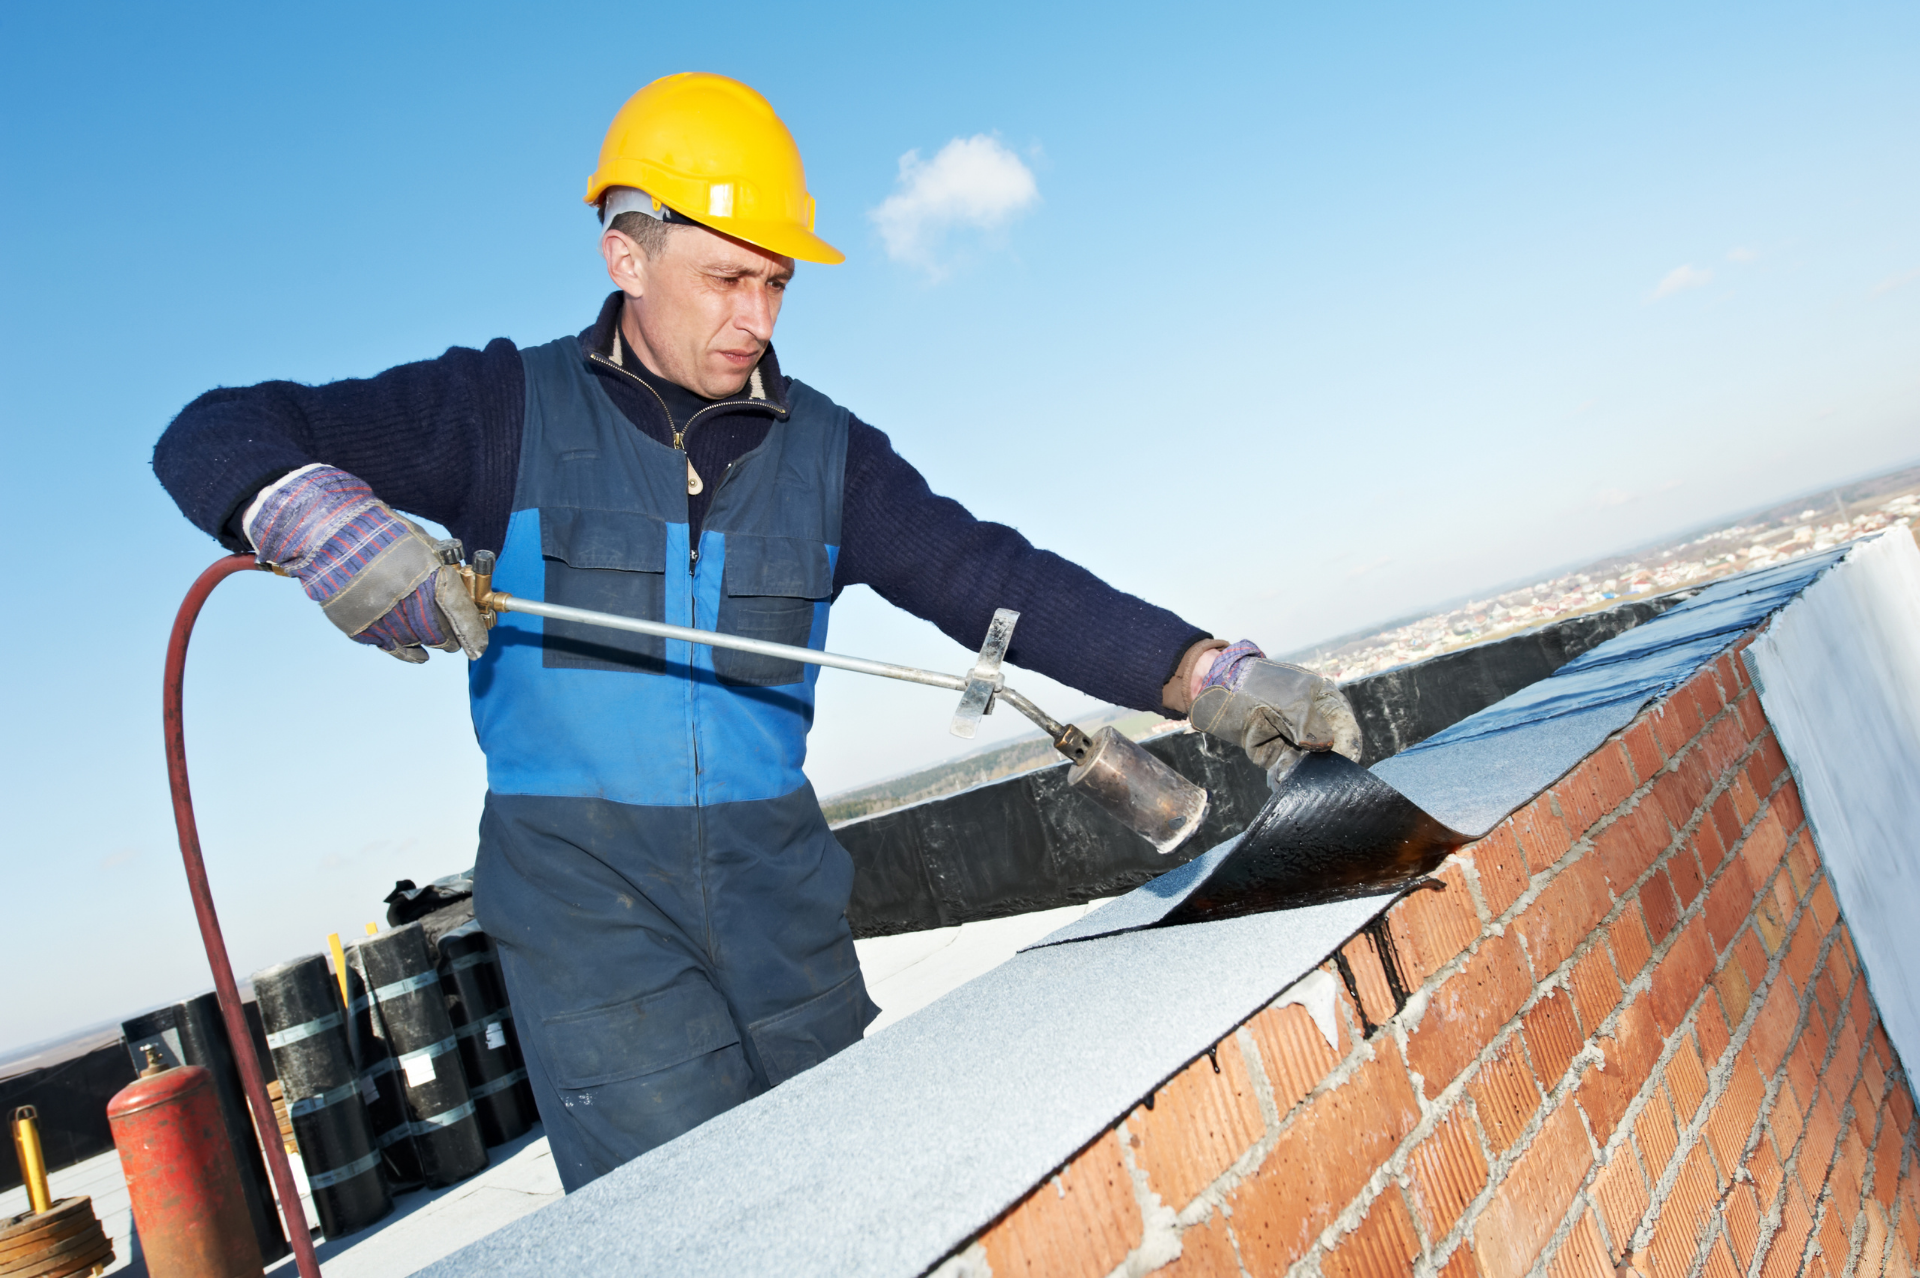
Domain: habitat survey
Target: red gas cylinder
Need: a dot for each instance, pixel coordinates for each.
(182, 1176)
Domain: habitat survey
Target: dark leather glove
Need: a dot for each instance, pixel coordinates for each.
(1274, 711)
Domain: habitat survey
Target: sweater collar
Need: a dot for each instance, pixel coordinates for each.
(603, 345)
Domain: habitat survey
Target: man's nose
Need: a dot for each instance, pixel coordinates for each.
(755, 313)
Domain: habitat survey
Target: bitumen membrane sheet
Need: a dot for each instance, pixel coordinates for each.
(1466, 778)
(884, 1159)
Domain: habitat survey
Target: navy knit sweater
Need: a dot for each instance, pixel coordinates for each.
(441, 439)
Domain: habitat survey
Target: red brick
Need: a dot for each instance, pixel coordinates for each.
(1321, 1162)
(1668, 730)
(1884, 1049)
(1865, 1114)
(1447, 1169)
(1803, 1073)
(1747, 949)
(1082, 1225)
(1654, 1131)
(1621, 1193)
(1817, 1144)
(1533, 1198)
(1824, 906)
(1606, 1088)
(1790, 1240)
(1542, 834)
(1685, 1215)
(1804, 860)
(1733, 672)
(1662, 908)
(1803, 953)
(1826, 1002)
(1873, 1249)
(1502, 867)
(1872, 1077)
(1710, 1027)
(1724, 744)
(1433, 926)
(1772, 912)
(1846, 1057)
(1582, 1253)
(1772, 1033)
(1552, 1036)
(1384, 1244)
(1764, 1167)
(1206, 1249)
(1764, 848)
(1720, 1260)
(1759, 772)
(1848, 1181)
(1686, 1080)
(1742, 1214)
(1773, 763)
(1753, 718)
(1678, 978)
(1734, 1114)
(1595, 990)
(1707, 847)
(1787, 1118)
(1643, 749)
(1745, 802)
(1463, 1014)
(1729, 903)
(1369, 979)
(1704, 687)
(1202, 1121)
(1672, 794)
(1293, 1052)
(1685, 874)
(1900, 1104)
(1566, 911)
(1459, 1263)
(1730, 980)
(1631, 946)
(1633, 842)
(1505, 1095)
(1725, 821)
(1832, 1234)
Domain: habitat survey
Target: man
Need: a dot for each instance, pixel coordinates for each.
(667, 899)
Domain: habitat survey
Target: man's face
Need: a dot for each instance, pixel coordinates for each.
(701, 313)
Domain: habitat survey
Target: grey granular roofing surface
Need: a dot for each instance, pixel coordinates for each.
(886, 1158)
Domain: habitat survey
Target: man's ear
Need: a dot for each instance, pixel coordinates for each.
(626, 262)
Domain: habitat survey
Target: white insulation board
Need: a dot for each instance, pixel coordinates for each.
(1839, 676)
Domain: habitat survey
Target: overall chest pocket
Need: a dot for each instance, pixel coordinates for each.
(613, 561)
(768, 593)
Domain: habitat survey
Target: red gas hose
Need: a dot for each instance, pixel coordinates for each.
(251, 1077)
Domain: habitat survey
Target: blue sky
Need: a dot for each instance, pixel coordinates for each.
(1313, 316)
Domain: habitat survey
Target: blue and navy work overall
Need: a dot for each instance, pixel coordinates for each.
(669, 904)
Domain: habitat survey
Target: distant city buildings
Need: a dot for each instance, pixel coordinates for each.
(1712, 555)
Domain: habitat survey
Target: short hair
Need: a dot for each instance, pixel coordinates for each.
(649, 233)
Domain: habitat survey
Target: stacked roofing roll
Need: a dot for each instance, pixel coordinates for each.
(412, 1021)
(379, 1074)
(300, 1007)
(482, 1020)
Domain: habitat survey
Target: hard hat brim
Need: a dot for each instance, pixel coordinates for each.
(783, 238)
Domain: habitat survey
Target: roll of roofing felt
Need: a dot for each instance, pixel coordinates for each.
(379, 1075)
(413, 1013)
(483, 1026)
(193, 1033)
(300, 1008)
(1332, 831)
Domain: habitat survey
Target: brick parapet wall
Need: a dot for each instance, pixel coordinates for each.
(1626, 1032)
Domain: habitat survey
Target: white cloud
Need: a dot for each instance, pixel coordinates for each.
(971, 182)
(1743, 255)
(1683, 277)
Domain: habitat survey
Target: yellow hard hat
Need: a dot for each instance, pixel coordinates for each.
(712, 150)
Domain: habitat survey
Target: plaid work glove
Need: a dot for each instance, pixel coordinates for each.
(1274, 711)
(377, 576)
